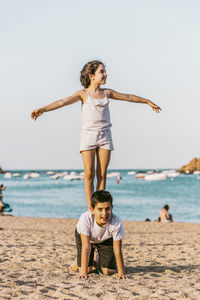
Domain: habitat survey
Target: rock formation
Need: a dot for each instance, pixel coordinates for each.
(193, 165)
(1, 171)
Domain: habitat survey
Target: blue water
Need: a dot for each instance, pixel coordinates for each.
(134, 199)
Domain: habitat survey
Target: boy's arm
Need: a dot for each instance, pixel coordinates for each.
(117, 247)
(57, 104)
(132, 98)
(85, 253)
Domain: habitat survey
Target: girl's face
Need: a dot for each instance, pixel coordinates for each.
(100, 75)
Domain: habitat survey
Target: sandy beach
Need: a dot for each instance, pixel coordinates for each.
(162, 262)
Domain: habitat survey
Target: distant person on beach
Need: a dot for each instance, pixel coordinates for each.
(96, 138)
(4, 207)
(2, 189)
(164, 215)
(102, 230)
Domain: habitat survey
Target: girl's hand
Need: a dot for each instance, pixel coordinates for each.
(36, 113)
(155, 107)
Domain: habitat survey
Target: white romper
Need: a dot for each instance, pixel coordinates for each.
(96, 124)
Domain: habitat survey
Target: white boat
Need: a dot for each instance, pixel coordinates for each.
(156, 176)
(34, 175)
(31, 175)
(113, 174)
(140, 175)
(57, 175)
(150, 172)
(16, 175)
(26, 176)
(171, 173)
(73, 177)
(50, 172)
(196, 172)
(73, 173)
(8, 175)
(131, 173)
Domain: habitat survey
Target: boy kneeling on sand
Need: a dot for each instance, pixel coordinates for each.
(102, 230)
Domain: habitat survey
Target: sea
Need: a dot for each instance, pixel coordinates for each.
(133, 199)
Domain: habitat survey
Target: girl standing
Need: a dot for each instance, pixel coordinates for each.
(96, 138)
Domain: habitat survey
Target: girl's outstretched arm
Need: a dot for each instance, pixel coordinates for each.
(57, 104)
(132, 98)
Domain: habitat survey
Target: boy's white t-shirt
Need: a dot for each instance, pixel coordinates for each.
(87, 225)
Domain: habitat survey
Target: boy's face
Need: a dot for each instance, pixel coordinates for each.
(102, 212)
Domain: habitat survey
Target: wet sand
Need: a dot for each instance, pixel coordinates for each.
(162, 262)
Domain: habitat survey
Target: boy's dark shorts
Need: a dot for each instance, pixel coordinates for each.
(105, 249)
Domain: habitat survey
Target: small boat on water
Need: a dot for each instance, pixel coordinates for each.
(171, 173)
(7, 175)
(26, 176)
(140, 175)
(31, 175)
(131, 173)
(73, 177)
(73, 173)
(114, 174)
(156, 176)
(34, 174)
(187, 172)
(50, 173)
(196, 172)
(150, 172)
(58, 175)
(16, 175)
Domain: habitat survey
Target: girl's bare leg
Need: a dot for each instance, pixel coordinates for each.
(89, 171)
(103, 159)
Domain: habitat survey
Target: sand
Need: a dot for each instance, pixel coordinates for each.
(162, 262)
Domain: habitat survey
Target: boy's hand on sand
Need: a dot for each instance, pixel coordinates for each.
(120, 276)
(36, 113)
(83, 276)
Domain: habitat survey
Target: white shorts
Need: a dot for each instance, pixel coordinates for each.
(92, 139)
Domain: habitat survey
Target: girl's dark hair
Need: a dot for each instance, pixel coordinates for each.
(101, 196)
(166, 207)
(89, 68)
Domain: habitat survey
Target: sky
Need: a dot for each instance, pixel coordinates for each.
(150, 49)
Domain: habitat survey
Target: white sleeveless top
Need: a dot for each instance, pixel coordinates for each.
(96, 114)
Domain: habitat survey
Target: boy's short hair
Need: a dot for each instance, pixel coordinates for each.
(101, 196)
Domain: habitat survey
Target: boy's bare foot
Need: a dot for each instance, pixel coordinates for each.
(74, 266)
